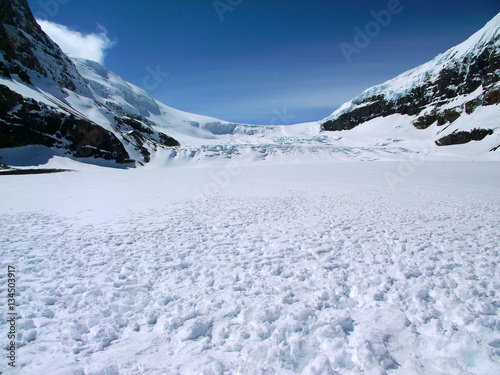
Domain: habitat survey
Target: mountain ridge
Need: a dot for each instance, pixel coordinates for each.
(455, 82)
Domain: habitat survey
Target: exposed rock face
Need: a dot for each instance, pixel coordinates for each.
(27, 122)
(471, 69)
(138, 131)
(462, 137)
(28, 52)
(168, 141)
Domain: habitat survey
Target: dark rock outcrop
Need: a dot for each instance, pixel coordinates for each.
(27, 122)
(167, 141)
(130, 123)
(457, 138)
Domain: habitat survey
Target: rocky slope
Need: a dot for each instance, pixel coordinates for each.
(451, 86)
(77, 106)
(26, 122)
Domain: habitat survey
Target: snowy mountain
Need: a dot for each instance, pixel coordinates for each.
(78, 108)
(456, 94)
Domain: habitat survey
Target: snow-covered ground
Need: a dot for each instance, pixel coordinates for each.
(256, 268)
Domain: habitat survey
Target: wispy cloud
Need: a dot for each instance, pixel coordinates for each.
(91, 46)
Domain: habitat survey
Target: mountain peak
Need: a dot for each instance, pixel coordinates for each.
(468, 69)
(488, 35)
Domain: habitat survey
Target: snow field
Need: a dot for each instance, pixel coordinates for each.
(313, 269)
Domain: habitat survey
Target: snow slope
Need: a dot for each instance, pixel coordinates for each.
(317, 268)
(107, 87)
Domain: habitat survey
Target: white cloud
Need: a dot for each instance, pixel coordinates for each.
(91, 46)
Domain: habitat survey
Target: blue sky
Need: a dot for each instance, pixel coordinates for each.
(256, 61)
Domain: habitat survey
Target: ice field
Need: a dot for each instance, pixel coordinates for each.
(262, 268)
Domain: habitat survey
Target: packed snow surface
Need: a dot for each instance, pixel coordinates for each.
(256, 268)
